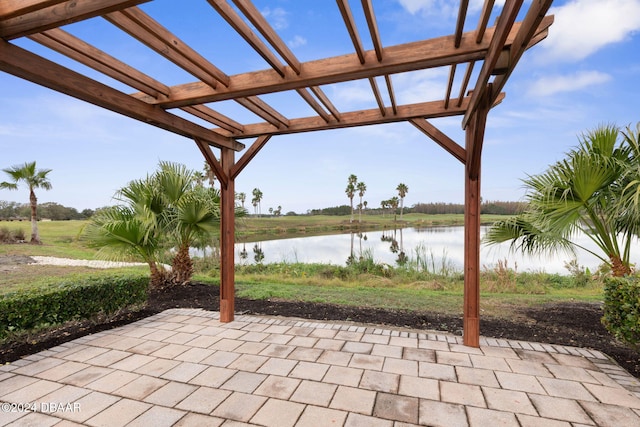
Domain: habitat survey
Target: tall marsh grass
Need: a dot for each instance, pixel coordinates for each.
(426, 261)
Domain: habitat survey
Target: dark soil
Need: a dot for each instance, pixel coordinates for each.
(570, 323)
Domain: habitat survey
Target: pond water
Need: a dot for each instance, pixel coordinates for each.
(437, 249)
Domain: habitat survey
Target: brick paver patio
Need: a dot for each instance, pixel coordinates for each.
(185, 368)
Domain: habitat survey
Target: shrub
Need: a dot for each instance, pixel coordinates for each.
(11, 236)
(74, 299)
(622, 308)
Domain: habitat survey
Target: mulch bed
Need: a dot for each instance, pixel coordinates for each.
(573, 324)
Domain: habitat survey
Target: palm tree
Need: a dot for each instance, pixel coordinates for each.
(383, 205)
(587, 192)
(393, 204)
(402, 191)
(165, 211)
(189, 212)
(199, 178)
(242, 197)
(33, 178)
(121, 233)
(209, 174)
(362, 187)
(257, 197)
(351, 191)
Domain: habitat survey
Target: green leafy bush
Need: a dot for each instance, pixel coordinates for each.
(622, 308)
(69, 300)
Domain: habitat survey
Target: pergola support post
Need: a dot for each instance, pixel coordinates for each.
(474, 138)
(227, 239)
(471, 323)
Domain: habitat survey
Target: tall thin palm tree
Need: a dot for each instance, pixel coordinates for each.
(209, 174)
(33, 178)
(402, 192)
(587, 192)
(257, 198)
(199, 177)
(242, 197)
(393, 204)
(351, 191)
(362, 188)
(383, 205)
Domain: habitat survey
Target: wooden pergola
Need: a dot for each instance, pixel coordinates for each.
(181, 108)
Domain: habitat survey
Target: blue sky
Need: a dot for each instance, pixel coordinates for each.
(586, 73)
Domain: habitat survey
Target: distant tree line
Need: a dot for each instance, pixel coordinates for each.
(50, 210)
(57, 212)
(489, 207)
(335, 210)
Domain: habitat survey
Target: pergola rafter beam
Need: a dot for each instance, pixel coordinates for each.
(431, 110)
(24, 64)
(447, 96)
(304, 93)
(216, 118)
(56, 14)
(487, 8)
(462, 16)
(78, 50)
(236, 21)
(350, 23)
(498, 42)
(392, 96)
(402, 58)
(264, 110)
(325, 101)
(534, 28)
(377, 95)
(11, 8)
(141, 26)
(367, 6)
(268, 33)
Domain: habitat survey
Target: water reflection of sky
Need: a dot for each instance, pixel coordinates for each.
(439, 243)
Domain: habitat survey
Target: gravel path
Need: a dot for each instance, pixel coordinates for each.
(48, 260)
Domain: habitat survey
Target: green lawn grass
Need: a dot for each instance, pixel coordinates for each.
(503, 292)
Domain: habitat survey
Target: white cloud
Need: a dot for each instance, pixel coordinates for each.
(297, 41)
(420, 86)
(430, 7)
(277, 17)
(550, 85)
(446, 8)
(582, 27)
(350, 95)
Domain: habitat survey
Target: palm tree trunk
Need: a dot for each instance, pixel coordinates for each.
(182, 265)
(35, 236)
(158, 277)
(351, 203)
(619, 268)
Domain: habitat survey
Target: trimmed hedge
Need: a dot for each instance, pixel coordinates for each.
(78, 298)
(622, 308)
